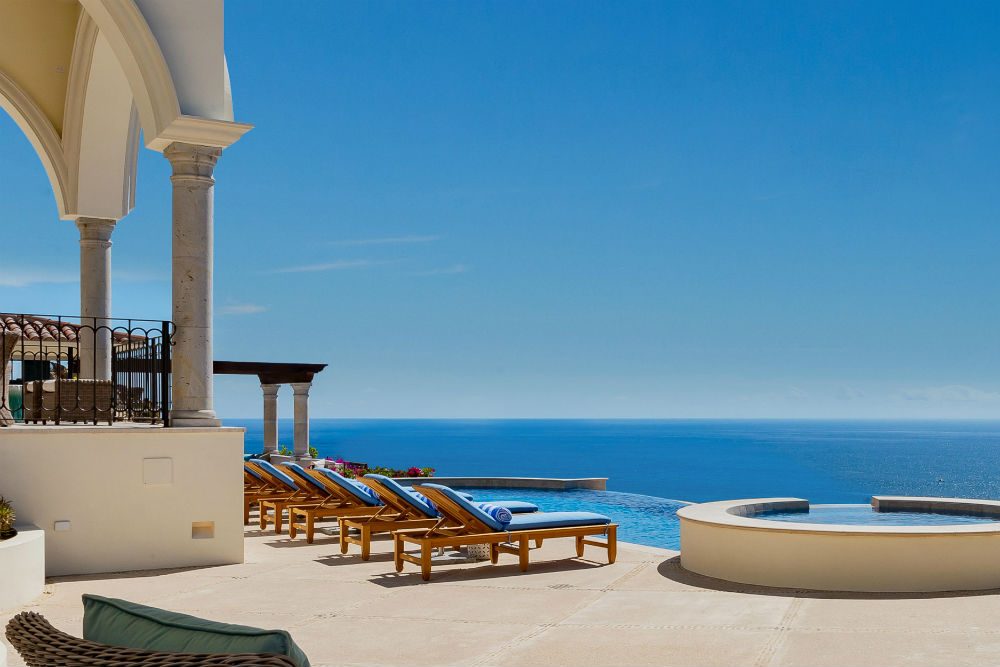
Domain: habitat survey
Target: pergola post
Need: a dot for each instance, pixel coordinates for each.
(95, 297)
(193, 204)
(270, 416)
(300, 436)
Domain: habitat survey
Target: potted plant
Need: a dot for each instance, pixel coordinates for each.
(7, 517)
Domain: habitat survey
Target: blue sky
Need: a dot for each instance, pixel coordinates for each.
(587, 210)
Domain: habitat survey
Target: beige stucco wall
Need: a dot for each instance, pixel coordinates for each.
(849, 558)
(22, 567)
(131, 495)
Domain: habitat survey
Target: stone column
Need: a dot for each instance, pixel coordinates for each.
(193, 201)
(95, 297)
(300, 437)
(270, 416)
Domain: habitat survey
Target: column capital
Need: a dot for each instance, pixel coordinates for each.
(191, 161)
(270, 389)
(301, 388)
(96, 230)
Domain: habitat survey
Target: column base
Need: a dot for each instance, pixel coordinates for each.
(194, 418)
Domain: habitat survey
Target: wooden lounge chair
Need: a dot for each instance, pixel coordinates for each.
(403, 509)
(463, 523)
(339, 501)
(272, 510)
(398, 511)
(302, 494)
(270, 487)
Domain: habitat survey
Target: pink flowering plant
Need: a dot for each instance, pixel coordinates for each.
(353, 470)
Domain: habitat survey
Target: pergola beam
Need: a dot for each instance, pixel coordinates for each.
(269, 372)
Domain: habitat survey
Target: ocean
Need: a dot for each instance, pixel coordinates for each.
(691, 460)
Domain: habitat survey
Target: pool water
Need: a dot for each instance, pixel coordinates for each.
(641, 519)
(864, 515)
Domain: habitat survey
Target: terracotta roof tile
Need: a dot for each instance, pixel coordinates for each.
(46, 330)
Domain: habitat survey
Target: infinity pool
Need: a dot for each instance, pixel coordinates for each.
(864, 515)
(641, 519)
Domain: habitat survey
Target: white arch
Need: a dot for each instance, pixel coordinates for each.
(140, 58)
(101, 128)
(119, 82)
(43, 137)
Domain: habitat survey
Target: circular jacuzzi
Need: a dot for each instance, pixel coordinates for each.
(898, 544)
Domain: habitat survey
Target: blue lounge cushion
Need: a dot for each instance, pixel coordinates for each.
(514, 506)
(412, 498)
(273, 470)
(301, 473)
(346, 484)
(467, 496)
(247, 457)
(501, 514)
(557, 520)
(471, 508)
(127, 624)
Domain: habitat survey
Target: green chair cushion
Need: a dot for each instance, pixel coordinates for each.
(127, 624)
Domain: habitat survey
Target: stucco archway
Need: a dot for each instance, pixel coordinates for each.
(82, 78)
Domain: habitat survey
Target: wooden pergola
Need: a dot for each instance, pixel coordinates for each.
(272, 375)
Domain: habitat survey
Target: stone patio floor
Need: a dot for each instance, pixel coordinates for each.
(643, 610)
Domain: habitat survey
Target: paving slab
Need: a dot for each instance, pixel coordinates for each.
(643, 610)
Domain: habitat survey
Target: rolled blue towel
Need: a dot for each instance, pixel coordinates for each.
(500, 514)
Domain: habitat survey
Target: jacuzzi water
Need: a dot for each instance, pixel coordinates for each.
(864, 515)
(641, 519)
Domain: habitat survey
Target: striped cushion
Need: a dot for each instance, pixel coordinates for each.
(424, 499)
(367, 490)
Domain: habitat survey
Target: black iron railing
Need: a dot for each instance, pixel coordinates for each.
(60, 369)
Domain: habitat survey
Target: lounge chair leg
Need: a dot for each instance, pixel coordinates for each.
(278, 515)
(310, 528)
(366, 542)
(579, 546)
(612, 544)
(263, 517)
(291, 525)
(522, 553)
(397, 552)
(343, 537)
(425, 562)
(494, 553)
(538, 543)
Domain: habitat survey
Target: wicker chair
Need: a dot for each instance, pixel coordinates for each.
(69, 401)
(41, 645)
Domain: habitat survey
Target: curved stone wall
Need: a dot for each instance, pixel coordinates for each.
(724, 540)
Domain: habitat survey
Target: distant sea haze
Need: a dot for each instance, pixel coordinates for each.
(827, 462)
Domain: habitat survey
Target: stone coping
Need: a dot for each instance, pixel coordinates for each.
(117, 426)
(743, 514)
(553, 483)
(25, 533)
(939, 505)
